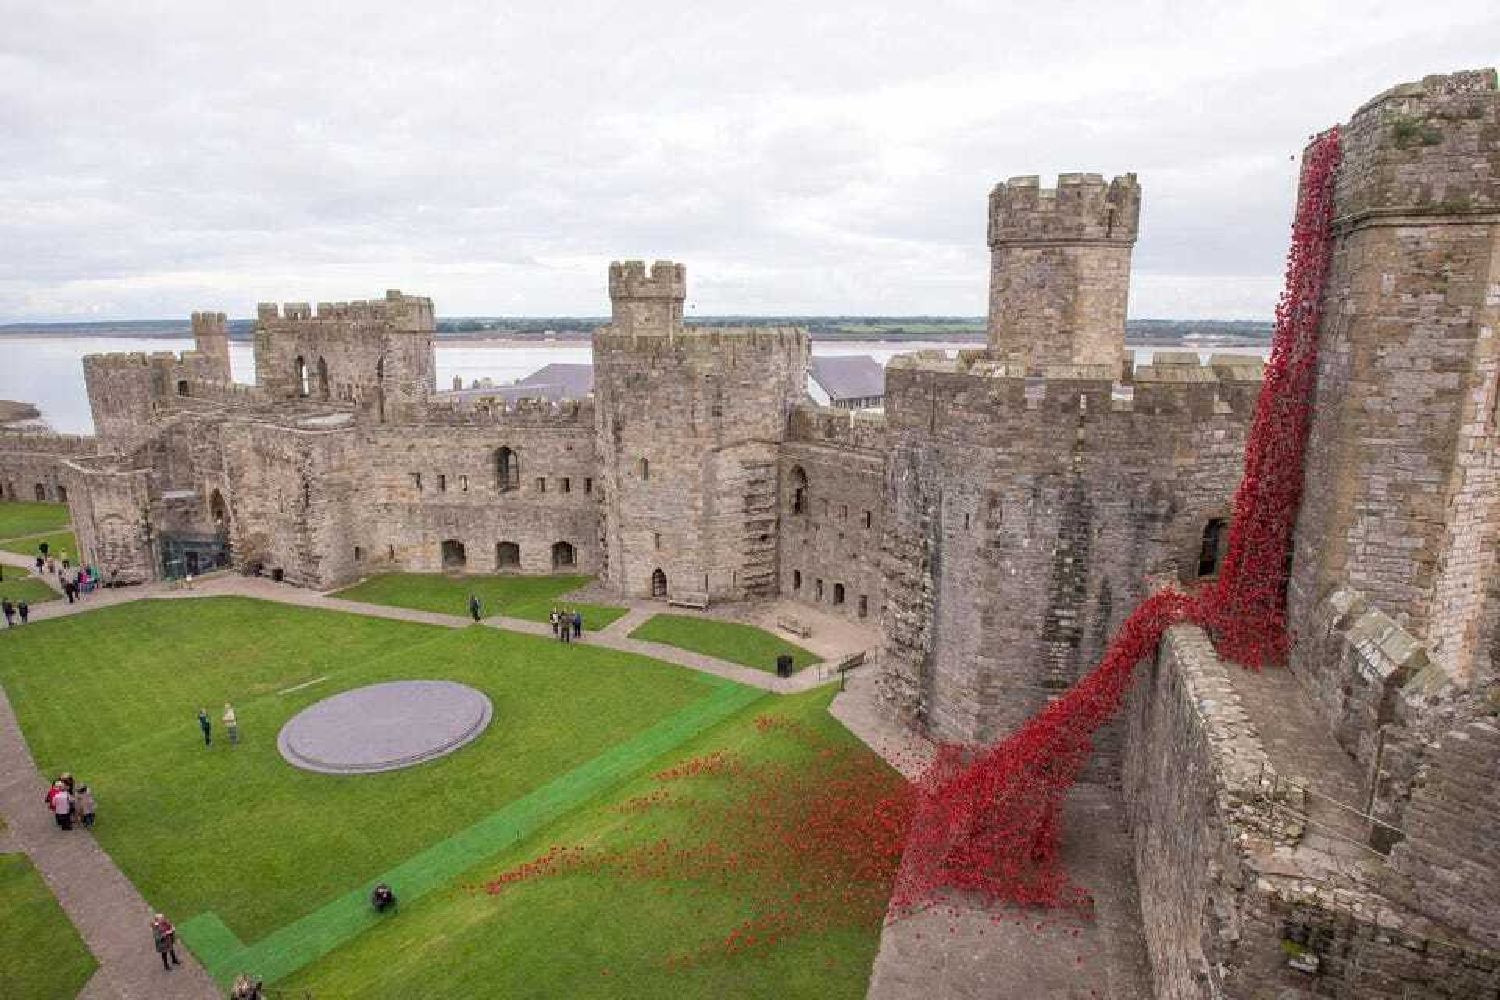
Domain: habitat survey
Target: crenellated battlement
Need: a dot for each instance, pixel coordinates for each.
(207, 324)
(1081, 208)
(405, 312)
(631, 279)
(1175, 383)
(47, 442)
(497, 411)
(703, 340)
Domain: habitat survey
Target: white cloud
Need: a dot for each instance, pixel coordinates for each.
(799, 158)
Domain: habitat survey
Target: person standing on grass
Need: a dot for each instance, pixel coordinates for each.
(231, 724)
(554, 618)
(165, 937)
(10, 613)
(41, 561)
(206, 726)
(577, 624)
(24, 610)
(474, 607)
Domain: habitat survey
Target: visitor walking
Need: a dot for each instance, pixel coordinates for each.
(165, 937)
(70, 589)
(577, 624)
(83, 802)
(206, 726)
(564, 627)
(41, 561)
(10, 613)
(62, 806)
(231, 724)
(554, 618)
(24, 610)
(474, 607)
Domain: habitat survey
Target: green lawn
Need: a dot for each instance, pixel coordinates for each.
(31, 518)
(528, 597)
(26, 588)
(743, 644)
(594, 934)
(58, 542)
(238, 832)
(41, 954)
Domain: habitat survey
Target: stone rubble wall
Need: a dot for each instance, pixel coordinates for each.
(834, 543)
(1023, 515)
(1223, 915)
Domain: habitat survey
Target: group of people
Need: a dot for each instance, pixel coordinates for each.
(75, 582)
(566, 625)
(70, 802)
(12, 611)
(231, 725)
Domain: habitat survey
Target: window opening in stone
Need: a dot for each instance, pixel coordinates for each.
(796, 579)
(869, 520)
(838, 593)
(645, 469)
(1211, 551)
(453, 554)
(541, 484)
(818, 589)
(658, 583)
(588, 484)
(507, 470)
(442, 483)
(304, 380)
(507, 555)
(656, 539)
(416, 480)
(322, 378)
(567, 484)
(563, 555)
(182, 387)
(41, 492)
(864, 605)
(799, 490)
(463, 484)
(218, 511)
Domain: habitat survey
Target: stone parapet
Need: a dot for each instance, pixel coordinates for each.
(858, 430)
(1082, 207)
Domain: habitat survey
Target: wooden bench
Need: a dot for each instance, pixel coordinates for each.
(689, 600)
(793, 626)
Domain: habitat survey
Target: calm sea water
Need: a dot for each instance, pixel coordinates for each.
(48, 371)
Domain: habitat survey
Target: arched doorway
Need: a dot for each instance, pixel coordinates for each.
(507, 555)
(1213, 545)
(453, 555)
(218, 512)
(564, 556)
(658, 584)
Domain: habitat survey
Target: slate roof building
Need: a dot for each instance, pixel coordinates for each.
(847, 381)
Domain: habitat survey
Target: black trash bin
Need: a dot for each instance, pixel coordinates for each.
(783, 665)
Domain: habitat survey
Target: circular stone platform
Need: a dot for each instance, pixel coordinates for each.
(384, 727)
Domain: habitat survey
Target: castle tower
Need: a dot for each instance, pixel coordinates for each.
(211, 341)
(1402, 486)
(688, 421)
(377, 353)
(1060, 269)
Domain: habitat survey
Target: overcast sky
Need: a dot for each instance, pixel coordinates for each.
(799, 157)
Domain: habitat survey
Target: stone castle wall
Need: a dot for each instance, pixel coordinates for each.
(1223, 901)
(832, 473)
(1024, 514)
(31, 463)
(1403, 488)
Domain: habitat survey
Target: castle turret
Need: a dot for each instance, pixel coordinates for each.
(378, 353)
(647, 303)
(1402, 491)
(689, 420)
(1060, 269)
(211, 340)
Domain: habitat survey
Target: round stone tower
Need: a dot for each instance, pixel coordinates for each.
(689, 420)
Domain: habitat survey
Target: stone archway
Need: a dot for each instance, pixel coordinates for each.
(659, 584)
(454, 559)
(564, 556)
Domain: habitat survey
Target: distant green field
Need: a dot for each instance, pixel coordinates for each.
(59, 543)
(743, 644)
(30, 518)
(528, 597)
(41, 954)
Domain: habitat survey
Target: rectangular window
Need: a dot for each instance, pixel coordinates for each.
(588, 484)
(869, 520)
(567, 484)
(416, 480)
(843, 512)
(463, 484)
(442, 483)
(864, 605)
(359, 554)
(541, 484)
(656, 539)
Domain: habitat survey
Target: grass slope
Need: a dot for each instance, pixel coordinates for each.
(58, 542)
(26, 588)
(30, 518)
(239, 832)
(581, 935)
(41, 954)
(528, 597)
(743, 644)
